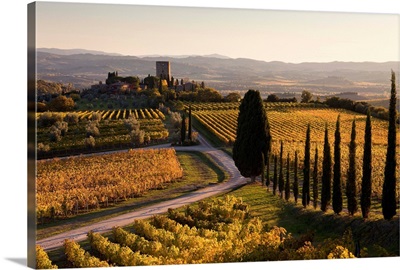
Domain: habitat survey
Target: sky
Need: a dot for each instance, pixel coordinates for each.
(268, 35)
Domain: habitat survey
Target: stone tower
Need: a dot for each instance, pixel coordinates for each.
(163, 69)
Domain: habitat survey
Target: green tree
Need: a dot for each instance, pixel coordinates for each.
(267, 176)
(367, 169)
(61, 104)
(160, 85)
(296, 178)
(263, 169)
(389, 202)
(351, 187)
(306, 96)
(306, 170)
(232, 97)
(275, 179)
(287, 183)
(253, 139)
(151, 81)
(326, 173)
(337, 200)
(183, 129)
(281, 182)
(315, 179)
(190, 124)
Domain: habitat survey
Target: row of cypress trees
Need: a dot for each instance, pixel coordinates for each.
(334, 193)
(252, 147)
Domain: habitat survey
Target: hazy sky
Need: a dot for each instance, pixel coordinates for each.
(289, 36)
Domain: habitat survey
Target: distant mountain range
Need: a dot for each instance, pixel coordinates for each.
(74, 51)
(85, 67)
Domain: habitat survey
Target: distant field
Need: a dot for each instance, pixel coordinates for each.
(289, 124)
(382, 103)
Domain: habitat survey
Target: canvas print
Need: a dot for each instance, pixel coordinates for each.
(179, 135)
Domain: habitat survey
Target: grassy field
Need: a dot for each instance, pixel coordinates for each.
(273, 211)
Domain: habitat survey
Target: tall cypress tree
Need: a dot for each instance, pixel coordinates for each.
(287, 183)
(315, 179)
(389, 203)
(351, 188)
(306, 170)
(253, 137)
(367, 169)
(337, 200)
(275, 179)
(190, 124)
(281, 181)
(262, 169)
(267, 176)
(183, 129)
(296, 178)
(160, 84)
(326, 173)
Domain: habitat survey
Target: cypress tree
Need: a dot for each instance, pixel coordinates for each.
(281, 182)
(306, 170)
(296, 178)
(190, 124)
(183, 129)
(160, 85)
(389, 183)
(267, 177)
(326, 173)
(287, 183)
(262, 169)
(351, 189)
(315, 179)
(367, 169)
(275, 179)
(337, 200)
(253, 137)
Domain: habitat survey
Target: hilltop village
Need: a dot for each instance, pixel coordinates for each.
(163, 81)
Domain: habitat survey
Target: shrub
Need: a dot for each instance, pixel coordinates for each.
(92, 129)
(96, 116)
(41, 107)
(62, 126)
(47, 119)
(175, 119)
(41, 147)
(62, 104)
(55, 134)
(90, 142)
(137, 136)
(72, 118)
(75, 97)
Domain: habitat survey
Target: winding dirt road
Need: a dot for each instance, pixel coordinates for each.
(220, 157)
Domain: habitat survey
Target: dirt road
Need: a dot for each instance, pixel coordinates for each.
(220, 157)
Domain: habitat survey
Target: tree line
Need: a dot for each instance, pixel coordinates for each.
(251, 153)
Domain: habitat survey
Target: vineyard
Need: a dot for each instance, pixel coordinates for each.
(70, 186)
(289, 124)
(111, 130)
(218, 230)
(146, 113)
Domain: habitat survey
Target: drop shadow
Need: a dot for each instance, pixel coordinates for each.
(20, 261)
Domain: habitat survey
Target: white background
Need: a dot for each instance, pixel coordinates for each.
(13, 143)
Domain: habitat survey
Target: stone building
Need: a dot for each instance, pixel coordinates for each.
(163, 69)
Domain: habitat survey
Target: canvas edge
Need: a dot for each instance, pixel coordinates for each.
(31, 153)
